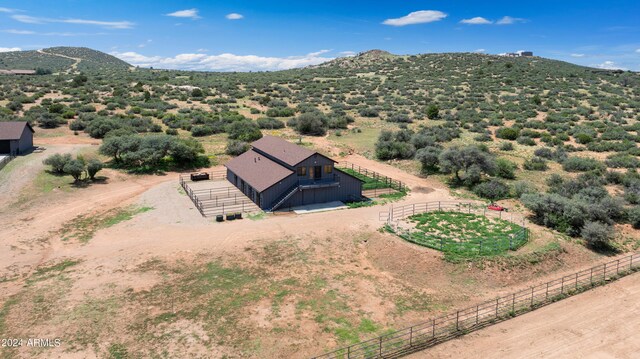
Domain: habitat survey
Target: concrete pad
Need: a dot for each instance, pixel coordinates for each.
(319, 207)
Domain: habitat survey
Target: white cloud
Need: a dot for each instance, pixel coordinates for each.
(609, 65)
(144, 44)
(480, 51)
(417, 17)
(223, 62)
(234, 16)
(189, 13)
(638, 51)
(66, 34)
(202, 50)
(8, 49)
(508, 20)
(347, 53)
(19, 32)
(476, 21)
(7, 10)
(106, 24)
(577, 55)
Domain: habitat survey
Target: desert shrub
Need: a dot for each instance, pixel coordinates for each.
(597, 235)
(171, 131)
(583, 138)
(75, 168)
(525, 140)
(433, 112)
(493, 190)
(470, 160)
(93, 167)
(428, 158)
(522, 187)
(269, 123)
(622, 160)
(544, 152)
(148, 152)
(506, 146)
(507, 133)
(394, 145)
(280, 112)
(244, 130)
(399, 118)
(505, 168)
(77, 125)
(369, 112)
(535, 164)
(581, 164)
(57, 162)
(236, 148)
(310, 123)
(202, 130)
(634, 217)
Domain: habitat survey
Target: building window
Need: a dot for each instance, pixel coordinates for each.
(328, 169)
(302, 171)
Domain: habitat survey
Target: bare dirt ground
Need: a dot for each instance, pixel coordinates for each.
(168, 282)
(601, 323)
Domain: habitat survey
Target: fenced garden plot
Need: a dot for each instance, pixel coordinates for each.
(216, 196)
(437, 330)
(456, 228)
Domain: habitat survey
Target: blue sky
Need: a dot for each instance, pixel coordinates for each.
(270, 35)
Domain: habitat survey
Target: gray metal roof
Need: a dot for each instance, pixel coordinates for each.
(283, 150)
(12, 130)
(257, 170)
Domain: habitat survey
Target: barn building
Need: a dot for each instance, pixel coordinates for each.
(276, 173)
(16, 137)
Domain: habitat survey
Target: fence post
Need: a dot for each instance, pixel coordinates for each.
(531, 297)
(618, 266)
(477, 313)
(497, 301)
(631, 262)
(546, 297)
(457, 320)
(439, 208)
(591, 277)
(433, 328)
(411, 336)
(604, 272)
(576, 281)
(414, 209)
(562, 286)
(513, 304)
(380, 346)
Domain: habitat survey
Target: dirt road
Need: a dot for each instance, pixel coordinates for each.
(601, 323)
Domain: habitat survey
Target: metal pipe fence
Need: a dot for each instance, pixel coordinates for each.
(454, 324)
(211, 202)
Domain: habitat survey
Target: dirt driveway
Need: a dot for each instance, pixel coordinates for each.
(601, 323)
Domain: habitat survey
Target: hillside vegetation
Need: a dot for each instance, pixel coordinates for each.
(492, 127)
(61, 59)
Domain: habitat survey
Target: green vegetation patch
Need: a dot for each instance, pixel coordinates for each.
(464, 234)
(84, 227)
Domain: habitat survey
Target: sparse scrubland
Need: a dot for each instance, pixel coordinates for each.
(104, 252)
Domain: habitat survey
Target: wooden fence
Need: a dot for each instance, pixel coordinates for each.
(395, 184)
(437, 330)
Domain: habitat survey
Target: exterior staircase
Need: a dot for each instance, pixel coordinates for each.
(284, 198)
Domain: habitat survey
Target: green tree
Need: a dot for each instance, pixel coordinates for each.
(93, 167)
(57, 162)
(433, 112)
(75, 168)
(428, 158)
(470, 160)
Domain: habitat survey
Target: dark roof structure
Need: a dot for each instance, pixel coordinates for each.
(12, 130)
(283, 150)
(257, 170)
